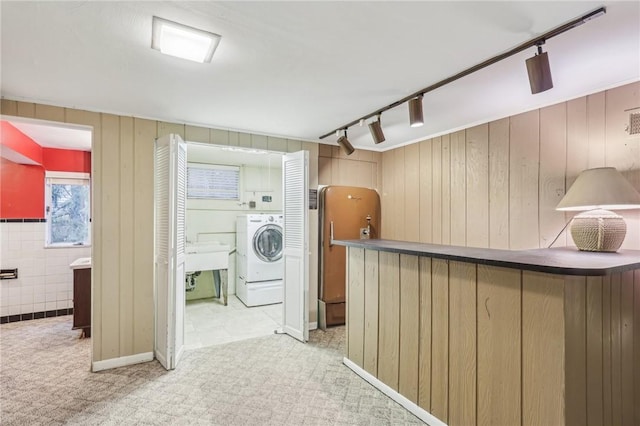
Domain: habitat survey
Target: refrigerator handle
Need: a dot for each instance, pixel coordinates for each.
(331, 234)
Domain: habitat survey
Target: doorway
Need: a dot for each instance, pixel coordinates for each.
(249, 193)
(174, 259)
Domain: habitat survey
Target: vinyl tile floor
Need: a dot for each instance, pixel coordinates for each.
(269, 380)
(208, 322)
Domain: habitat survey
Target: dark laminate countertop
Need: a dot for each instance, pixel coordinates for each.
(563, 260)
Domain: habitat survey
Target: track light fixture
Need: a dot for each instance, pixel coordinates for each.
(415, 111)
(539, 73)
(345, 144)
(375, 127)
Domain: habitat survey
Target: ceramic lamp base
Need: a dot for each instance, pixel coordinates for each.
(598, 230)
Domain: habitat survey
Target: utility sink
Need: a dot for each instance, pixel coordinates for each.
(206, 256)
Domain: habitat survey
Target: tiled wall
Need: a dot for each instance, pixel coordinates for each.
(45, 283)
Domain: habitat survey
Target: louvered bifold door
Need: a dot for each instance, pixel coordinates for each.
(295, 170)
(169, 252)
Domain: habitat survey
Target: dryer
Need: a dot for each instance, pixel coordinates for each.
(259, 243)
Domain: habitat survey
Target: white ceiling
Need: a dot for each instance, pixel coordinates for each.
(302, 69)
(63, 136)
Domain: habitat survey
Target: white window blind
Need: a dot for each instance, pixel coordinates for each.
(209, 181)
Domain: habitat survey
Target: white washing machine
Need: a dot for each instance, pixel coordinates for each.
(259, 262)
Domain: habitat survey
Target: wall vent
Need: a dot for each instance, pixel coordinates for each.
(634, 123)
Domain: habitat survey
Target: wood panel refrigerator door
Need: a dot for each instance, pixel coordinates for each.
(170, 196)
(295, 178)
(344, 209)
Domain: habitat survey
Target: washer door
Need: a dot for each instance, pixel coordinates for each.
(267, 243)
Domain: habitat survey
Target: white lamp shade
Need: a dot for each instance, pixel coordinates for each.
(603, 188)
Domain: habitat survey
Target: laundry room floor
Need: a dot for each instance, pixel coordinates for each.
(208, 322)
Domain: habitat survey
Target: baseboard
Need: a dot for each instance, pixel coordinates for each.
(122, 361)
(313, 325)
(414, 409)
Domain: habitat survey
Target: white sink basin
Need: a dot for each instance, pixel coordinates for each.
(206, 256)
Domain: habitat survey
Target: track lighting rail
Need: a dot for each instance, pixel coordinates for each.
(537, 41)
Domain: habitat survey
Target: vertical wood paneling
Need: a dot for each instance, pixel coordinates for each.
(110, 218)
(409, 333)
(26, 109)
(577, 150)
(127, 243)
(477, 186)
(594, 351)
(446, 190)
(462, 343)
(93, 119)
(371, 300)
(219, 136)
(436, 165)
(412, 189)
(196, 134)
(440, 339)
(292, 145)
(399, 194)
(458, 179)
(542, 347)
(144, 136)
(259, 142)
(499, 346)
(606, 351)
(49, 113)
(425, 208)
(324, 171)
(424, 357)
(575, 364)
(386, 198)
(523, 181)
(389, 317)
(626, 347)
(234, 140)
(616, 350)
(244, 140)
(164, 129)
(636, 346)
(499, 184)
(355, 301)
(621, 150)
(553, 158)
(595, 130)
(8, 107)
(276, 144)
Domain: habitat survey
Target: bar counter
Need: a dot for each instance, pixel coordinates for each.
(471, 336)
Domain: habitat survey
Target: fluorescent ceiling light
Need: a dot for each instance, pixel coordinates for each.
(182, 41)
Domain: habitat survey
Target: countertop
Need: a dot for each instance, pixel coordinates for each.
(81, 263)
(562, 260)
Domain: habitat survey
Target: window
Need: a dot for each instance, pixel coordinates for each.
(208, 181)
(67, 208)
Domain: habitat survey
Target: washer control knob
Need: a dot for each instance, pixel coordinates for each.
(270, 218)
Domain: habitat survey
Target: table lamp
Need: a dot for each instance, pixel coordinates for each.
(597, 191)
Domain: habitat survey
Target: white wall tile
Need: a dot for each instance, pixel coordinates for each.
(39, 307)
(4, 311)
(49, 306)
(14, 310)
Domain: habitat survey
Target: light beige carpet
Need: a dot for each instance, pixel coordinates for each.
(273, 380)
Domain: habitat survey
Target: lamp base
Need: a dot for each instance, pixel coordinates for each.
(598, 230)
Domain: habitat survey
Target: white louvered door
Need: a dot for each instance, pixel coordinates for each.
(170, 197)
(295, 171)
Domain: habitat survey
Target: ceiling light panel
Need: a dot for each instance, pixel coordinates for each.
(182, 41)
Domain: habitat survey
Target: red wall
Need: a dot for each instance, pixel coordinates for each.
(21, 191)
(22, 185)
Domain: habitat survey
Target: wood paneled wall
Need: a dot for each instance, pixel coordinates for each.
(482, 345)
(122, 217)
(362, 168)
(497, 184)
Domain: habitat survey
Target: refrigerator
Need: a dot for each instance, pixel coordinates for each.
(345, 213)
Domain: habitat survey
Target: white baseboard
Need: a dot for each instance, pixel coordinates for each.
(414, 409)
(121, 361)
(313, 325)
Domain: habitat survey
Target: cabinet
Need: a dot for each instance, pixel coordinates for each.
(82, 300)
